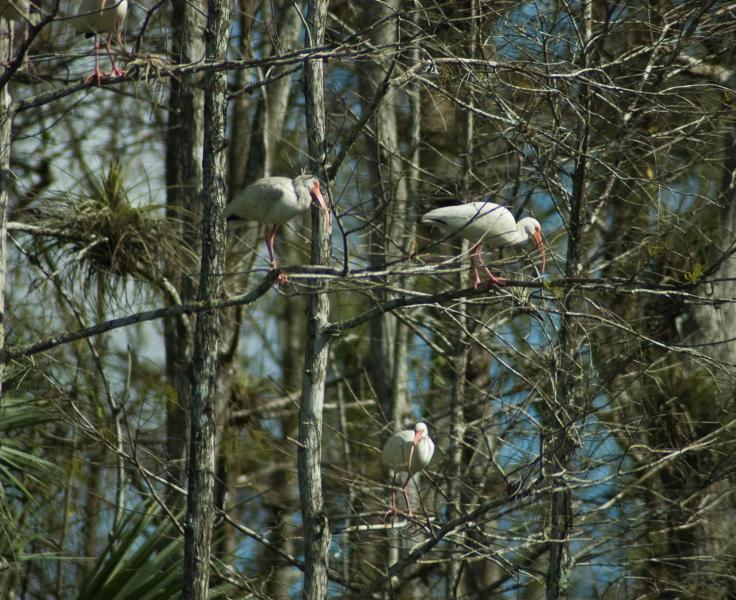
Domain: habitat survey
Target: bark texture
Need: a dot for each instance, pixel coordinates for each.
(200, 510)
(389, 238)
(316, 525)
(184, 140)
(6, 125)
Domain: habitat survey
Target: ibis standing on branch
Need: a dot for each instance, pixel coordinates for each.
(408, 451)
(102, 16)
(274, 201)
(486, 222)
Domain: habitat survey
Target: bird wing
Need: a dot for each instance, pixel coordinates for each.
(475, 221)
(425, 451)
(264, 201)
(395, 453)
(100, 16)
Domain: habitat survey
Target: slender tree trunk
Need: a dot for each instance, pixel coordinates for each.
(460, 361)
(184, 141)
(316, 525)
(6, 127)
(240, 125)
(567, 373)
(567, 376)
(197, 546)
(268, 119)
(389, 239)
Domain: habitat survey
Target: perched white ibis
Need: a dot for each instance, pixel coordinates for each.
(274, 201)
(480, 222)
(408, 451)
(102, 16)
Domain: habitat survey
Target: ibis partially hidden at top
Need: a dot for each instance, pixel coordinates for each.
(486, 222)
(102, 16)
(274, 201)
(408, 451)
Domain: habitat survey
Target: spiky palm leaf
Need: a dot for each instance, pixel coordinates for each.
(17, 465)
(142, 560)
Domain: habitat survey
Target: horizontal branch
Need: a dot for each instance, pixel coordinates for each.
(154, 68)
(304, 273)
(140, 317)
(439, 535)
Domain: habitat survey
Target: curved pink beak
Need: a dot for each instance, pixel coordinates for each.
(417, 439)
(540, 245)
(320, 201)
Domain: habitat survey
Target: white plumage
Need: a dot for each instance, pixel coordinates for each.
(408, 451)
(274, 201)
(102, 16)
(486, 222)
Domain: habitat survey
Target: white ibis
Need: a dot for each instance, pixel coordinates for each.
(480, 222)
(102, 16)
(408, 451)
(274, 201)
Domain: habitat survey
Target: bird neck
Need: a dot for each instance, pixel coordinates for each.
(519, 237)
(303, 196)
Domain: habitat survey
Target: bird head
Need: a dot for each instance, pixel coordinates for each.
(312, 184)
(533, 229)
(420, 432)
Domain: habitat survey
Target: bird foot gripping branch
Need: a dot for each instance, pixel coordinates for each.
(275, 201)
(95, 17)
(490, 223)
(408, 451)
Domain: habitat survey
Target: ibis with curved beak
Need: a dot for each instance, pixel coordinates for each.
(274, 201)
(490, 223)
(408, 451)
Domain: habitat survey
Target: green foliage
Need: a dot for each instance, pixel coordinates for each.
(18, 466)
(107, 233)
(141, 561)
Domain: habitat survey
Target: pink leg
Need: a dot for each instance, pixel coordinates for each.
(270, 241)
(117, 72)
(406, 495)
(477, 276)
(97, 75)
(479, 258)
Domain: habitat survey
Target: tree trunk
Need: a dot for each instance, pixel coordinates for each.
(184, 141)
(388, 240)
(268, 118)
(6, 127)
(316, 525)
(200, 509)
(567, 374)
